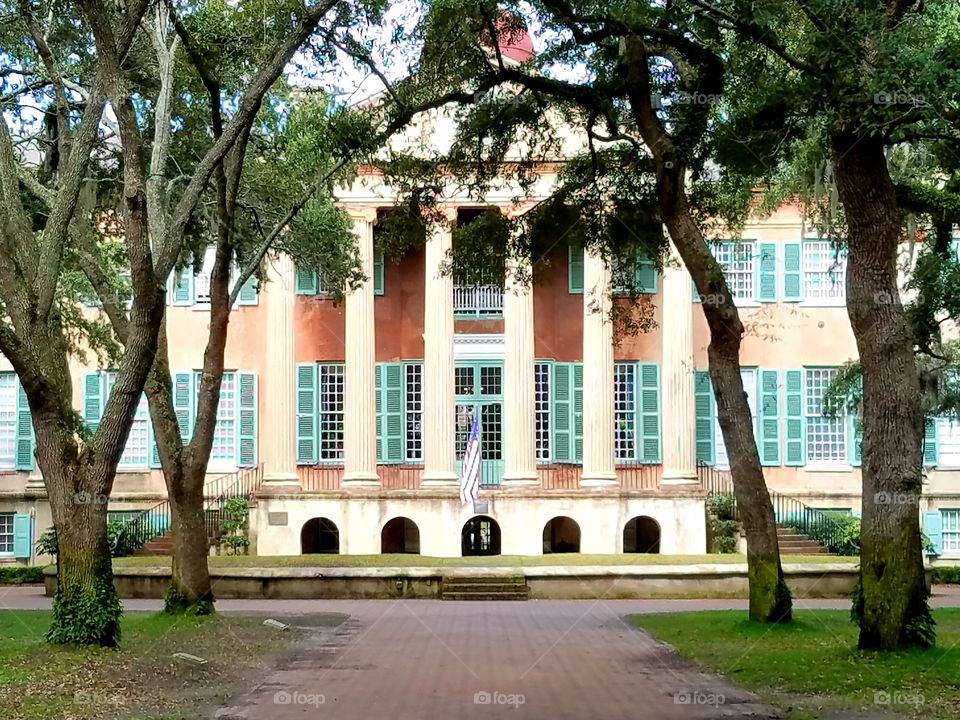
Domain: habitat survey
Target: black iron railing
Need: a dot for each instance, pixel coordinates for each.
(155, 521)
(822, 527)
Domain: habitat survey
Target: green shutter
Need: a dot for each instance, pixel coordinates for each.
(767, 273)
(248, 292)
(562, 413)
(25, 439)
(307, 414)
(93, 400)
(793, 418)
(769, 417)
(649, 407)
(575, 270)
(183, 286)
(306, 282)
(184, 390)
(854, 441)
(152, 443)
(792, 272)
(933, 529)
(247, 427)
(703, 401)
(393, 412)
(378, 272)
(578, 412)
(21, 537)
(645, 274)
(931, 455)
(378, 384)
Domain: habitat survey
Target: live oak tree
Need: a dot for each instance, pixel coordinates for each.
(859, 83)
(647, 163)
(87, 69)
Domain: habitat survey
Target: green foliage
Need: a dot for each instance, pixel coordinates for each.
(21, 574)
(86, 609)
(723, 507)
(721, 510)
(946, 575)
(840, 534)
(234, 525)
(47, 542)
(176, 603)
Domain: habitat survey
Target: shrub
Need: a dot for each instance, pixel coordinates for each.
(47, 542)
(233, 526)
(840, 536)
(946, 575)
(20, 574)
(723, 525)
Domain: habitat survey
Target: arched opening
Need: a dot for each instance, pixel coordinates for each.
(319, 535)
(400, 535)
(480, 536)
(561, 535)
(641, 535)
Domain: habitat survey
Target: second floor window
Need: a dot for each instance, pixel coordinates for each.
(824, 271)
(737, 261)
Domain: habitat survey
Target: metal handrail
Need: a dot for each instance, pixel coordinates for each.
(788, 511)
(155, 521)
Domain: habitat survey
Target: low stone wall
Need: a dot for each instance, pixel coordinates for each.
(813, 580)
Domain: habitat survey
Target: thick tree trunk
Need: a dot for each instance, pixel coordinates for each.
(190, 587)
(86, 609)
(893, 602)
(769, 596)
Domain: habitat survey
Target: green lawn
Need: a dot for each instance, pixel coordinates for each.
(812, 669)
(226, 561)
(140, 680)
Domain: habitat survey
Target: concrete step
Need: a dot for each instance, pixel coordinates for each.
(483, 595)
(812, 549)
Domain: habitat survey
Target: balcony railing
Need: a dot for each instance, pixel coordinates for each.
(478, 300)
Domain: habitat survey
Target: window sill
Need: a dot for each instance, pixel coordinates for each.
(824, 303)
(835, 467)
(134, 469)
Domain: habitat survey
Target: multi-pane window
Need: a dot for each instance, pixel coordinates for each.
(625, 411)
(541, 374)
(330, 417)
(737, 261)
(948, 442)
(6, 533)
(201, 281)
(8, 420)
(824, 270)
(136, 453)
(224, 450)
(951, 530)
(826, 436)
(413, 412)
(749, 379)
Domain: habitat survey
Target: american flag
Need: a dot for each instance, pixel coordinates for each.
(470, 477)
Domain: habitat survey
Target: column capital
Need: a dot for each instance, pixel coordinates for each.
(448, 212)
(361, 212)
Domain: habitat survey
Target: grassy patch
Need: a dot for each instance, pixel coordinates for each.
(228, 561)
(141, 679)
(812, 668)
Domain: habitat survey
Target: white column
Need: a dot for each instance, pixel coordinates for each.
(360, 398)
(677, 399)
(519, 406)
(278, 385)
(598, 464)
(439, 400)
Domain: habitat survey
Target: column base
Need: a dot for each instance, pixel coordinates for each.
(521, 479)
(36, 486)
(599, 480)
(679, 477)
(281, 481)
(360, 479)
(439, 479)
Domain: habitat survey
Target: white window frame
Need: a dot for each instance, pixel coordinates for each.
(6, 533)
(206, 269)
(228, 412)
(8, 420)
(331, 377)
(626, 447)
(542, 386)
(724, 253)
(413, 412)
(749, 378)
(139, 429)
(948, 433)
(818, 246)
(839, 423)
(950, 528)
